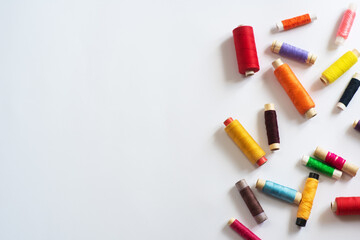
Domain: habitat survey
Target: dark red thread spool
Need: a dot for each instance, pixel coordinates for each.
(245, 47)
(346, 206)
(272, 128)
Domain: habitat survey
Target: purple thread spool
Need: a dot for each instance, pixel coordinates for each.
(356, 125)
(298, 54)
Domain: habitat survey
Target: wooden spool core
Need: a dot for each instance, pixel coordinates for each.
(231, 221)
(277, 63)
(355, 123)
(298, 198)
(311, 113)
(320, 153)
(260, 183)
(333, 206)
(350, 168)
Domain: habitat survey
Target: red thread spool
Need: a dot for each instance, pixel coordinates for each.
(242, 230)
(346, 206)
(246, 53)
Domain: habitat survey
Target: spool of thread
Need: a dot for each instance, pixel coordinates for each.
(308, 196)
(349, 92)
(321, 167)
(346, 24)
(272, 128)
(245, 142)
(276, 190)
(338, 68)
(292, 86)
(346, 206)
(242, 230)
(245, 47)
(356, 125)
(295, 22)
(336, 161)
(251, 201)
(298, 54)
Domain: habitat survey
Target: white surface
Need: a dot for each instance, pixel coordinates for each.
(111, 119)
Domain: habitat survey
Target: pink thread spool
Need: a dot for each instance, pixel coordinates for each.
(346, 24)
(336, 161)
(242, 230)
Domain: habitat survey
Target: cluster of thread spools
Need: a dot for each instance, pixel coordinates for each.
(323, 161)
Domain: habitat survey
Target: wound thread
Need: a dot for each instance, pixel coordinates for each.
(245, 142)
(251, 201)
(243, 231)
(272, 129)
(336, 161)
(295, 22)
(245, 48)
(349, 92)
(292, 86)
(338, 68)
(346, 206)
(279, 191)
(298, 54)
(321, 167)
(308, 196)
(346, 24)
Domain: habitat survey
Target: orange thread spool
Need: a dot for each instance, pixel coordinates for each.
(295, 22)
(292, 86)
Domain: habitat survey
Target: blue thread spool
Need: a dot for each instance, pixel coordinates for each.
(276, 190)
(298, 54)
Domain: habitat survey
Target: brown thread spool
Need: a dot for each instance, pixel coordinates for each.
(272, 128)
(251, 202)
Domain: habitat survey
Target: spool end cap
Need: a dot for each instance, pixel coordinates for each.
(300, 222)
(249, 73)
(341, 106)
(261, 161)
(339, 40)
(274, 146)
(314, 175)
(355, 123)
(231, 221)
(311, 113)
(324, 80)
(228, 121)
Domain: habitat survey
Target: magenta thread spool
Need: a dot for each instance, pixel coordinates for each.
(336, 161)
(243, 231)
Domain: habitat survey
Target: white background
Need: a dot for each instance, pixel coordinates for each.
(111, 119)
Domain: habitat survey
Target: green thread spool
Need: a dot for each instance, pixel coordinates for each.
(321, 167)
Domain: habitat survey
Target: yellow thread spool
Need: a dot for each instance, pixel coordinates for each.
(245, 142)
(308, 196)
(338, 68)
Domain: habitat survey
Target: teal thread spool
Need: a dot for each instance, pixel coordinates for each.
(321, 167)
(276, 190)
